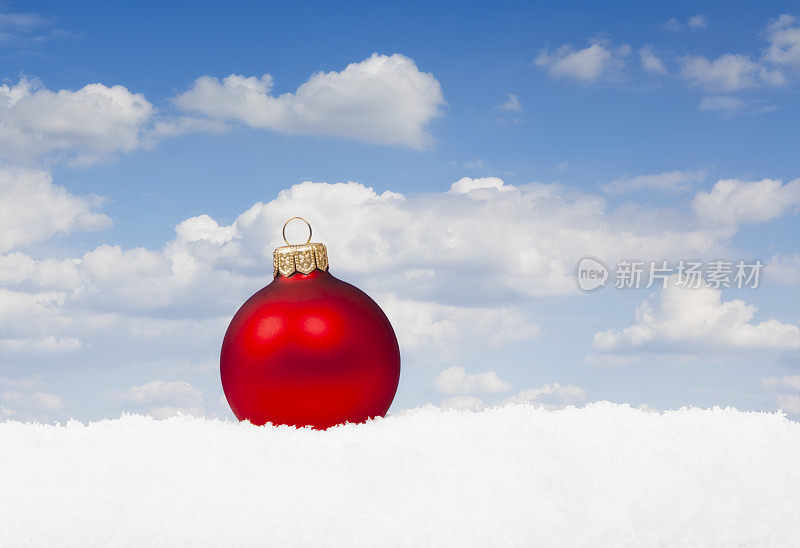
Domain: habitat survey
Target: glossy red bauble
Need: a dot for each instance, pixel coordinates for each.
(309, 349)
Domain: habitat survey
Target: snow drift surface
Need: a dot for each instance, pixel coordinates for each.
(604, 475)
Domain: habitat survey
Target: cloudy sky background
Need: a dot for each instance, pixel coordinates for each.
(458, 163)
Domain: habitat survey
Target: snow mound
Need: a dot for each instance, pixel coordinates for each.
(603, 475)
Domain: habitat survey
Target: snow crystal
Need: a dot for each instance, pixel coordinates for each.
(603, 475)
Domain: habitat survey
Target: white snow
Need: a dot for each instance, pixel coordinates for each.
(603, 475)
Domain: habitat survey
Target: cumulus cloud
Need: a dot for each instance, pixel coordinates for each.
(695, 22)
(513, 104)
(549, 396)
(789, 384)
(722, 103)
(598, 60)
(729, 72)
(27, 383)
(651, 62)
(33, 209)
(438, 333)
(18, 268)
(421, 256)
(179, 392)
(666, 181)
(456, 381)
(784, 43)
(382, 99)
(452, 269)
(46, 344)
(87, 124)
(698, 21)
(686, 320)
(732, 202)
(784, 268)
(163, 399)
(733, 72)
(471, 403)
(785, 392)
(21, 402)
(50, 402)
(465, 185)
(511, 240)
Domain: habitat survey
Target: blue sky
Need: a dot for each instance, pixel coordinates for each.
(643, 132)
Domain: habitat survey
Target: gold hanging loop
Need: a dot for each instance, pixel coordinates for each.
(292, 219)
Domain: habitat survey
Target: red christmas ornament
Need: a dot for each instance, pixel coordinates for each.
(309, 349)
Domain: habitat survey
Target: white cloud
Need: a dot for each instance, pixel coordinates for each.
(786, 392)
(587, 65)
(437, 333)
(783, 268)
(698, 21)
(782, 384)
(666, 181)
(463, 402)
(178, 125)
(722, 103)
(512, 104)
(43, 400)
(452, 269)
(29, 382)
(729, 72)
(18, 268)
(382, 99)
(790, 403)
(456, 381)
(466, 185)
(46, 344)
(30, 406)
(87, 125)
(166, 412)
(178, 392)
(549, 396)
(33, 208)
(48, 402)
(19, 30)
(162, 399)
(476, 164)
(650, 61)
(733, 72)
(784, 43)
(732, 202)
(695, 22)
(204, 228)
(20, 22)
(683, 320)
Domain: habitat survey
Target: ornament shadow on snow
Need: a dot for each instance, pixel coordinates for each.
(309, 349)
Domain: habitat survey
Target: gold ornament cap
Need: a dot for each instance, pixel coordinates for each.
(304, 258)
